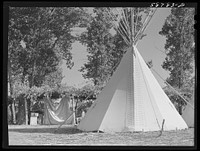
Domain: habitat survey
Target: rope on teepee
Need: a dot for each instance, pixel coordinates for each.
(174, 89)
(136, 21)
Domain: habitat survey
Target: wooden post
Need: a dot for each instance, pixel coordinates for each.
(13, 111)
(161, 128)
(73, 110)
(10, 84)
(26, 110)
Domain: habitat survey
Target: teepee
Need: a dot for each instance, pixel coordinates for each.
(188, 114)
(132, 100)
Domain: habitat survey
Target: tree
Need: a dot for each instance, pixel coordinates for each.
(54, 79)
(38, 39)
(84, 98)
(179, 31)
(100, 46)
(105, 47)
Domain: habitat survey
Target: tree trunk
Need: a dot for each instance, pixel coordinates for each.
(179, 86)
(28, 101)
(26, 111)
(73, 109)
(29, 111)
(10, 118)
(180, 108)
(11, 94)
(21, 110)
(13, 112)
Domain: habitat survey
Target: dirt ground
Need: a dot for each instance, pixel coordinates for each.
(67, 135)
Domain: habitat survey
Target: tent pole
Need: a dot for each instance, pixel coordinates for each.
(73, 109)
(161, 128)
(174, 90)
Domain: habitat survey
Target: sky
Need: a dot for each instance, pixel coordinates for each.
(150, 48)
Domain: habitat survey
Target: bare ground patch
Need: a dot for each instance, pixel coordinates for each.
(67, 135)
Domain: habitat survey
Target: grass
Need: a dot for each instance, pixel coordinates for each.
(68, 135)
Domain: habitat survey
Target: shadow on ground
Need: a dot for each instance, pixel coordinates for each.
(63, 130)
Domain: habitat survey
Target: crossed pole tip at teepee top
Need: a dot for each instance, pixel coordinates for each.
(133, 49)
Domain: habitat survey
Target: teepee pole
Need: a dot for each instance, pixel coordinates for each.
(174, 89)
(140, 31)
(136, 21)
(180, 95)
(161, 128)
(121, 33)
(125, 20)
(124, 33)
(75, 110)
(139, 34)
(131, 28)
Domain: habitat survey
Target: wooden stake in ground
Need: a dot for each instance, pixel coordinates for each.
(161, 128)
(73, 114)
(73, 110)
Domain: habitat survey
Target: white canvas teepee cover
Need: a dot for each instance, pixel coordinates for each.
(132, 101)
(188, 115)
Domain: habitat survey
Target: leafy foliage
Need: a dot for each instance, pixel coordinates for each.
(39, 38)
(54, 79)
(101, 48)
(104, 46)
(179, 31)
